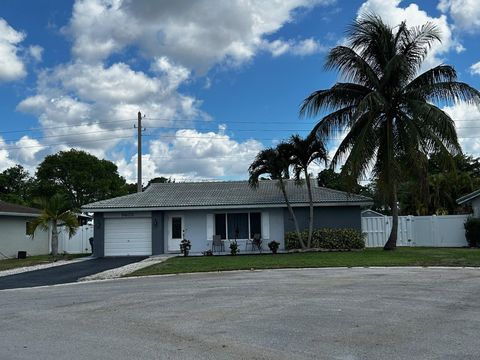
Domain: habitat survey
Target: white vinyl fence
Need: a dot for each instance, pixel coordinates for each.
(78, 243)
(436, 231)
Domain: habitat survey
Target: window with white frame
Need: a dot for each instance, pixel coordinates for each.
(238, 225)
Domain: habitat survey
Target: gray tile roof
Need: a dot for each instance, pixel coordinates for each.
(9, 208)
(225, 194)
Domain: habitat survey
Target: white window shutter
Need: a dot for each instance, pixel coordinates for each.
(265, 225)
(209, 227)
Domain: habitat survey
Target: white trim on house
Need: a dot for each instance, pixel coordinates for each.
(224, 207)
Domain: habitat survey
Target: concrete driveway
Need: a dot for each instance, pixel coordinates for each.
(347, 314)
(63, 274)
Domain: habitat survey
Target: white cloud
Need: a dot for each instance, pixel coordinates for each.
(194, 34)
(94, 115)
(36, 52)
(467, 119)
(191, 154)
(5, 160)
(475, 68)
(465, 13)
(11, 66)
(26, 149)
(301, 48)
(393, 14)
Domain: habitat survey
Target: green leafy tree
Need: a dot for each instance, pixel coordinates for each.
(82, 177)
(55, 214)
(301, 152)
(444, 184)
(388, 109)
(16, 185)
(274, 163)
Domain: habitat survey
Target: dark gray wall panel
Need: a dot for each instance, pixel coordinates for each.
(325, 217)
(158, 241)
(99, 235)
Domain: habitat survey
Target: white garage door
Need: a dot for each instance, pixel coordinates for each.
(131, 236)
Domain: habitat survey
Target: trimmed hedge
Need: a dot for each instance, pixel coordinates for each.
(331, 239)
(472, 231)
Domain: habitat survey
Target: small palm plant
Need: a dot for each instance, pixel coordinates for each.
(274, 162)
(55, 213)
(301, 152)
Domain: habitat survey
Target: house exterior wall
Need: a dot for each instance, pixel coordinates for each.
(196, 223)
(476, 207)
(13, 237)
(325, 217)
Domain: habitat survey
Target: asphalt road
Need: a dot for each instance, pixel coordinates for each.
(336, 314)
(63, 274)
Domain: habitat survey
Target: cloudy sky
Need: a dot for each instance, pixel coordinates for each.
(217, 80)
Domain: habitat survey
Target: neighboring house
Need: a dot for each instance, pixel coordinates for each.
(13, 231)
(371, 213)
(156, 220)
(472, 199)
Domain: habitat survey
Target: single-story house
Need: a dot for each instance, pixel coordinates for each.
(156, 220)
(14, 220)
(472, 199)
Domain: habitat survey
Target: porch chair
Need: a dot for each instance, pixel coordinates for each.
(217, 242)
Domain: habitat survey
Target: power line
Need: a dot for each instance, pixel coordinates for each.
(228, 122)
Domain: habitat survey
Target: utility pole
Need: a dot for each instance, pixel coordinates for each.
(139, 153)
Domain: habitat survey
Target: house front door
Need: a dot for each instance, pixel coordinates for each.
(175, 232)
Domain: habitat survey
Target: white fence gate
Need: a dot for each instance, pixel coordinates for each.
(435, 231)
(78, 243)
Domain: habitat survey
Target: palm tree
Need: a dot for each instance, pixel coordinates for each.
(301, 153)
(386, 106)
(55, 211)
(273, 161)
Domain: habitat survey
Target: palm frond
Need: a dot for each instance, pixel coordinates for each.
(339, 96)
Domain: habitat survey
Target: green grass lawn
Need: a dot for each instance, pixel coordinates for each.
(367, 257)
(35, 260)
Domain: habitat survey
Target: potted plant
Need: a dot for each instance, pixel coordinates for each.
(234, 250)
(185, 246)
(273, 246)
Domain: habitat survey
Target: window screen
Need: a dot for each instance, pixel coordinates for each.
(237, 226)
(220, 226)
(255, 224)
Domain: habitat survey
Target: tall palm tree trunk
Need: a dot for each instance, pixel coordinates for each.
(292, 213)
(391, 244)
(310, 200)
(54, 239)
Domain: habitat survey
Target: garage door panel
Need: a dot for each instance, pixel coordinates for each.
(125, 237)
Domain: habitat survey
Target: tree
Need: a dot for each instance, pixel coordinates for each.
(55, 211)
(273, 162)
(300, 154)
(387, 108)
(15, 185)
(443, 185)
(160, 180)
(82, 177)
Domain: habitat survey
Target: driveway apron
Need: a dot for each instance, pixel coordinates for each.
(64, 274)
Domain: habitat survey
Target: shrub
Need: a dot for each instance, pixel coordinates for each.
(472, 231)
(331, 239)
